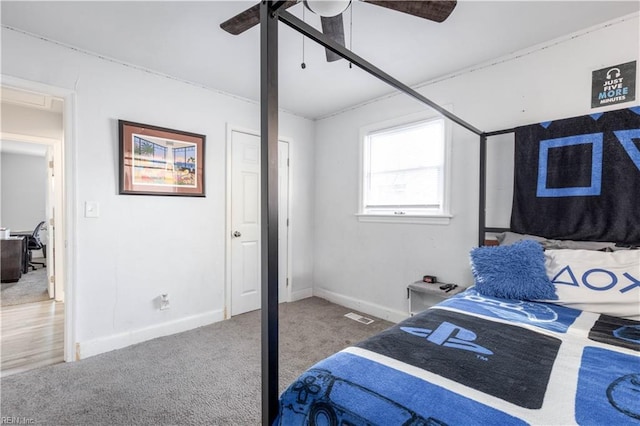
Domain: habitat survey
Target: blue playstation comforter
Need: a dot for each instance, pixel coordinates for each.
(478, 360)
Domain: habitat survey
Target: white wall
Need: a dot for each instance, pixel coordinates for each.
(24, 191)
(368, 265)
(142, 246)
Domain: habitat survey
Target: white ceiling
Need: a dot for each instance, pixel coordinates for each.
(184, 40)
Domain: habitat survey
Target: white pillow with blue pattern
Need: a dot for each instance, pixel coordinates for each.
(606, 283)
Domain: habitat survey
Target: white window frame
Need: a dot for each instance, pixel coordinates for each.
(437, 217)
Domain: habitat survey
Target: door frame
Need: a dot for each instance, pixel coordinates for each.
(228, 229)
(67, 227)
(287, 294)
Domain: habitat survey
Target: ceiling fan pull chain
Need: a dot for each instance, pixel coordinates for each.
(303, 65)
(351, 30)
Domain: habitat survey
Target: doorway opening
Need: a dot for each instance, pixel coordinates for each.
(32, 213)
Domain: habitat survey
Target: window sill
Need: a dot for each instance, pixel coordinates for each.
(439, 219)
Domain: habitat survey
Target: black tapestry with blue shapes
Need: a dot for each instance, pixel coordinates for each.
(579, 178)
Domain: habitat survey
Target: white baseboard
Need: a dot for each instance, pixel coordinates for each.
(301, 294)
(361, 306)
(121, 340)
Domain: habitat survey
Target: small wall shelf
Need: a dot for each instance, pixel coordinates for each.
(422, 295)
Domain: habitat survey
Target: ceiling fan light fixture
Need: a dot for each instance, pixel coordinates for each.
(327, 8)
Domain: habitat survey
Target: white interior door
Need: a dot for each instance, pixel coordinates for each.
(245, 262)
(245, 223)
(50, 223)
(57, 228)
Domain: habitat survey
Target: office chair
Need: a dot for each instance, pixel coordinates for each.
(34, 243)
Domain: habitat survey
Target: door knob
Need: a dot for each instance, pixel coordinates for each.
(237, 234)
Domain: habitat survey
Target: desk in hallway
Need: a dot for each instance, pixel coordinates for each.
(14, 258)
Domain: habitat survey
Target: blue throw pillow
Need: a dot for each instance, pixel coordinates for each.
(512, 272)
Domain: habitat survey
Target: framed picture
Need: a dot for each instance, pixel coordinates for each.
(159, 161)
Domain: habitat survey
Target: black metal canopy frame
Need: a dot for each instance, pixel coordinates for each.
(270, 14)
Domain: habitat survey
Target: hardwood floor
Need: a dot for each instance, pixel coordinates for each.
(32, 336)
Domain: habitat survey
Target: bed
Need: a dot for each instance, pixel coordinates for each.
(478, 359)
(568, 373)
(549, 334)
(483, 358)
(474, 359)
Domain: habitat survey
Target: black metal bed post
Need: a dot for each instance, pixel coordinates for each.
(482, 213)
(482, 194)
(269, 207)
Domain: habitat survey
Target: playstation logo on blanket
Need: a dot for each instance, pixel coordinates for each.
(451, 336)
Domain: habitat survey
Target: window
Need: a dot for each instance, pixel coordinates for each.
(404, 171)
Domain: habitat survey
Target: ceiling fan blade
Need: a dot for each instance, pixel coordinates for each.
(247, 19)
(242, 21)
(333, 27)
(437, 10)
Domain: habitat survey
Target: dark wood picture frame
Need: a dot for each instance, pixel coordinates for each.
(159, 161)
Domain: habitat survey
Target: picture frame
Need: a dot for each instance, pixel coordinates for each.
(159, 161)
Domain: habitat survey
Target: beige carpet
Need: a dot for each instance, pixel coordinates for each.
(32, 287)
(207, 376)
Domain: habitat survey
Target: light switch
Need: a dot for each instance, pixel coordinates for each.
(91, 209)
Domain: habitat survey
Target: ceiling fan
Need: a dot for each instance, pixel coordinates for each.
(331, 15)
